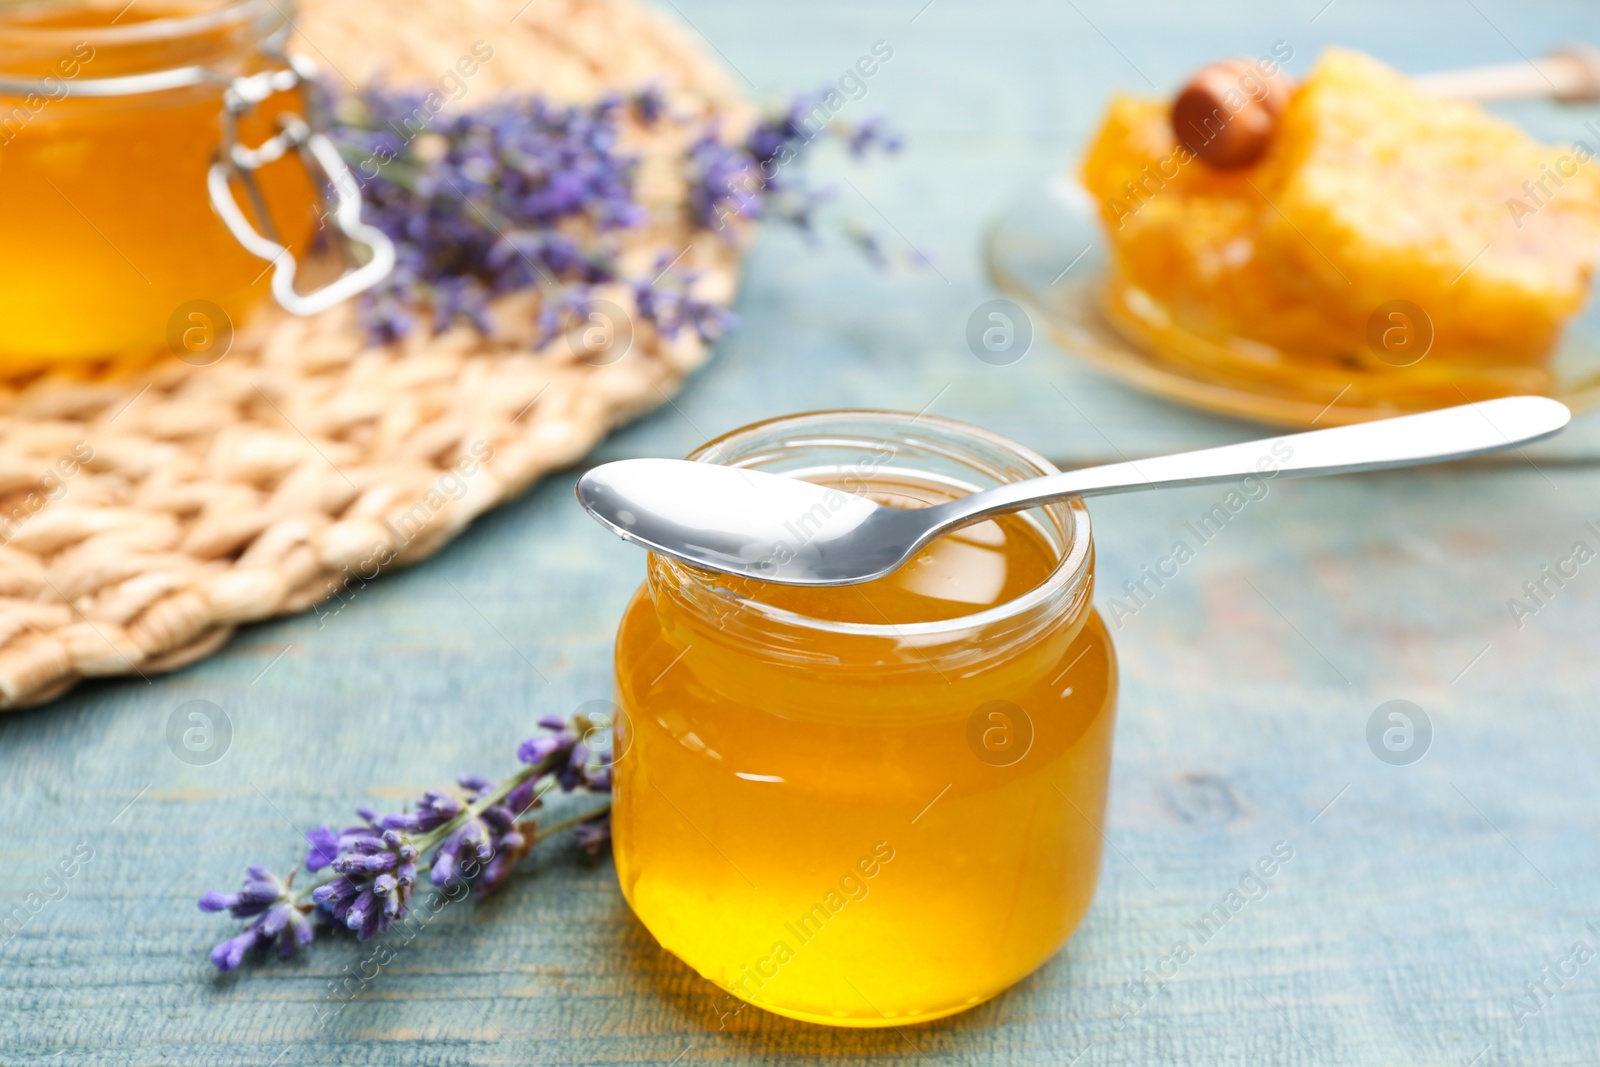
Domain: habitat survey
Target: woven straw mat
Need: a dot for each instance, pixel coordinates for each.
(147, 510)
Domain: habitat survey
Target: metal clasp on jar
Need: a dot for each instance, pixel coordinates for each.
(321, 158)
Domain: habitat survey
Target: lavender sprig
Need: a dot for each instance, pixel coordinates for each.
(756, 179)
(278, 918)
(524, 194)
(474, 839)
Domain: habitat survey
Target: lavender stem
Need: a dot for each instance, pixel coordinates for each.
(302, 895)
(576, 820)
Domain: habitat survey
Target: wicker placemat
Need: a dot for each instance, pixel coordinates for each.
(148, 510)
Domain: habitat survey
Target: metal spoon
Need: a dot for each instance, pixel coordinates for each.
(779, 529)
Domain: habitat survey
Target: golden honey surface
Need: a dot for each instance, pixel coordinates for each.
(857, 838)
(1372, 192)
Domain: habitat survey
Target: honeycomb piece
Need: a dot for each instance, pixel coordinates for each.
(1373, 191)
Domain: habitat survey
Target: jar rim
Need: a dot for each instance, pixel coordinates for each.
(165, 26)
(1065, 578)
(176, 51)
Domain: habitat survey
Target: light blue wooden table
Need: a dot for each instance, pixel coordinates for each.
(1421, 899)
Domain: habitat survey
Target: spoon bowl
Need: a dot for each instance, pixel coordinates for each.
(751, 523)
(779, 529)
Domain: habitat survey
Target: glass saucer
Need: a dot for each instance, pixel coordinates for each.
(1045, 250)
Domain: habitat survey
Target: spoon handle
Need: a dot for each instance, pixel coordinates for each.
(1450, 433)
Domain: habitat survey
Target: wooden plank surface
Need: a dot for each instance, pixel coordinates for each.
(1421, 898)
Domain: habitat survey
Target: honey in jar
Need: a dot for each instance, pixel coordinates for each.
(877, 804)
(110, 119)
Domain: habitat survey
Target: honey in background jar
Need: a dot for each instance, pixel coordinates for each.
(109, 235)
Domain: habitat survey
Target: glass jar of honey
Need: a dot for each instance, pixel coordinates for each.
(876, 804)
(130, 135)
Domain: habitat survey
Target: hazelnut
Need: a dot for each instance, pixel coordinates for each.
(1228, 111)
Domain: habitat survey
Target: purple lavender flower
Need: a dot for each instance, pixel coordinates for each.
(725, 181)
(576, 752)
(324, 848)
(473, 838)
(557, 737)
(373, 889)
(507, 844)
(518, 164)
(874, 132)
(756, 179)
(671, 307)
(594, 834)
(326, 844)
(523, 193)
(649, 105)
(483, 848)
(277, 916)
(433, 810)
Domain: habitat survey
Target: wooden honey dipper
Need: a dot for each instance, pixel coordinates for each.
(1216, 118)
